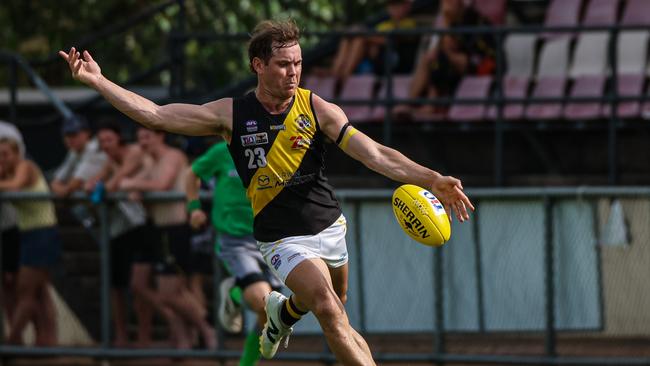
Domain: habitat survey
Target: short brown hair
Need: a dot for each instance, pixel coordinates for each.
(270, 35)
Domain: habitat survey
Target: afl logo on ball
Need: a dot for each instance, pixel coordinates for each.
(438, 208)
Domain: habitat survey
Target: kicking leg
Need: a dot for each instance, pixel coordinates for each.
(312, 287)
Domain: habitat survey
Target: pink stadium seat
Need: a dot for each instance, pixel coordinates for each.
(520, 54)
(590, 55)
(561, 13)
(632, 51)
(401, 85)
(585, 86)
(513, 87)
(471, 87)
(550, 86)
(323, 86)
(601, 12)
(358, 87)
(494, 10)
(629, 85)
(637, 12)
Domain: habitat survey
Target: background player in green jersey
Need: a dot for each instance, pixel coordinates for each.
(232, 217)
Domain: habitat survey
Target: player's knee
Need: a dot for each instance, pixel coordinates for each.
(327, 306)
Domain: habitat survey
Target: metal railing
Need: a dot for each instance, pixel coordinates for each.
(357, 199)
(15, 62)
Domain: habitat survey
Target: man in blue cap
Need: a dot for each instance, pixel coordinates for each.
(83, 161)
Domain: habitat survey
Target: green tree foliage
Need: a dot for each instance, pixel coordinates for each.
(36, 29)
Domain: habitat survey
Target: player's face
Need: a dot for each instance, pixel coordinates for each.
(8, 157)
(109, 142)
(282, 73)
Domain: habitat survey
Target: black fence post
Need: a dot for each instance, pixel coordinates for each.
(176, 46)
(612, 142)
(388, 78)
(105, 260)
(478, 267)
(13, 86)
(357, 242)
(498, 125)
(549, 279)
(439, 305)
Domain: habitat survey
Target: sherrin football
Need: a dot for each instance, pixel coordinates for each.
(421, 215)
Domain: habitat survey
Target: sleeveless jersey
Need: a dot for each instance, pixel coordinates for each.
(280, 159)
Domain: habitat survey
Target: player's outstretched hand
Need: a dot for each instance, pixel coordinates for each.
(84, 69)
(449, 191)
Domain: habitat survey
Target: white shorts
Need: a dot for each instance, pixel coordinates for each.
(284, 255)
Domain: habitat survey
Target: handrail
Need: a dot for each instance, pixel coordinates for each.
(59, 105)
(365, 194)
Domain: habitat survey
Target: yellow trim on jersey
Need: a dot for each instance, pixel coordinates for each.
(348, 134)
(286, 154)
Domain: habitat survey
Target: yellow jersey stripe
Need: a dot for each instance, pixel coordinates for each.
(285, 155)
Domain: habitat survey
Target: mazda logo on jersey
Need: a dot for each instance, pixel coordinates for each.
(255, 139)
(263, 180)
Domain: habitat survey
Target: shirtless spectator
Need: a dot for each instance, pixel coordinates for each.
(170, 218)
(132, 250)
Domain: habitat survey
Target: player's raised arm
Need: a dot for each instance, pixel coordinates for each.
(389, 162)
(187, 119)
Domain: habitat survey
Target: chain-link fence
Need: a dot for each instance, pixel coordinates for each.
(538, 276)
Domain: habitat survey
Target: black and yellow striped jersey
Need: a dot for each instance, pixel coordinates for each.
(280, 159)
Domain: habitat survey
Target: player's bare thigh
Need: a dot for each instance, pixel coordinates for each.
(339, 278)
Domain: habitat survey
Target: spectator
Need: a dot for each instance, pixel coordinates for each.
(39, 245)
(131, 247)
(166, 174)
(10, 235)
(84, 158)
(352, 50)
(232, 217)
(449, 57)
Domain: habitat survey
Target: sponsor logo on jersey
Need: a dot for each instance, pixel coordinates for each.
(278, 127)
(288, 180)
(300, 142)
(303, 121)
(255, 139)
(291, 257)
(276, 261)
(263, 182)
(438, 208)
(251, 125)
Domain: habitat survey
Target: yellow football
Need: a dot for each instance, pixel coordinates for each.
(421, 215)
